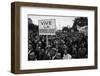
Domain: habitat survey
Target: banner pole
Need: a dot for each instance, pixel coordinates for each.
(47, 40)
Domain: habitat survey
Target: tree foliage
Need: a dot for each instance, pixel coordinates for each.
(80, 21)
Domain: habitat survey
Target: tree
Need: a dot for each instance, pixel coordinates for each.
(80, 21)
(65, 29)
(32, 26)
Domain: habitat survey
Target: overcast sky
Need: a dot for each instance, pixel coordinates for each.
(61, 21)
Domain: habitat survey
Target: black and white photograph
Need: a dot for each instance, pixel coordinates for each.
(52, 37)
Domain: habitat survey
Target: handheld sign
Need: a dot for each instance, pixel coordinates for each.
(47, 26)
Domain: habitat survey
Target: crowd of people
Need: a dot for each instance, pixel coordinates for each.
(62, 45)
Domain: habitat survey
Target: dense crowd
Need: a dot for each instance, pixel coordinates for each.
(62, 45)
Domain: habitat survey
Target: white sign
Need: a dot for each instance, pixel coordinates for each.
(47, 26)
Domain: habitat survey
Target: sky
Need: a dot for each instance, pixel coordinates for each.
(61, 21)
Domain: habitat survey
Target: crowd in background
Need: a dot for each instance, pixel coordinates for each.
(62, 45)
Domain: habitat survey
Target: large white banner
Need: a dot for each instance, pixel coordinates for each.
(47, 26)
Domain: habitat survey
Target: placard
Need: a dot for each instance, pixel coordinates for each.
(47, 26)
